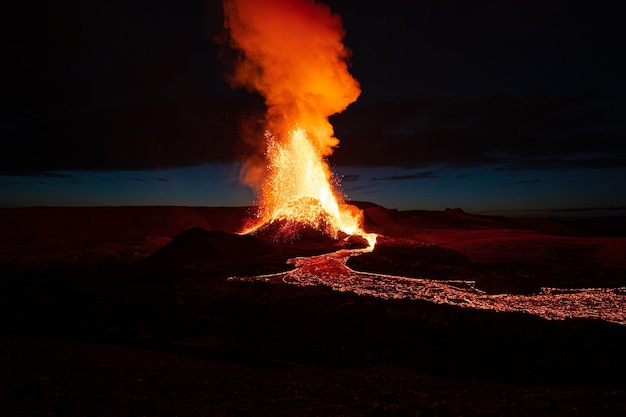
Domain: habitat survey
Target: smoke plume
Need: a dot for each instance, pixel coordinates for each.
(291, 53)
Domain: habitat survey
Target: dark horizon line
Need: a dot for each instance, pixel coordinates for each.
(555, 211)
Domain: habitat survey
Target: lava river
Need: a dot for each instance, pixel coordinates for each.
(551, 303)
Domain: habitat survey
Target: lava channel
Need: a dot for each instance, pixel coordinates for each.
(551, 303)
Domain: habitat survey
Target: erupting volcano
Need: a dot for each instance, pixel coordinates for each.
(291, 52)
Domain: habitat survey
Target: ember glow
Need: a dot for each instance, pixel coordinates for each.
(291, 52)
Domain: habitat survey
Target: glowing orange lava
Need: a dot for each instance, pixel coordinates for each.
(298, 188)
(291, 52)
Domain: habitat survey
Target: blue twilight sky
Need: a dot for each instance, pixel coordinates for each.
(491, 106)
(556, 193)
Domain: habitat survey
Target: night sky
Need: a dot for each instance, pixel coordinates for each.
(496, 107)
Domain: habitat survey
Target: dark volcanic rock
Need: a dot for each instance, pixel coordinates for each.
(506, 279)
(14, 233)
(259, 253)
(305, 237)
(422, 260)
(317, 233)
(408, 224)
(412, 259)
(288, 231)
(198, 246)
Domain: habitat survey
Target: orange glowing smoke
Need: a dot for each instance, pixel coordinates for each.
(291, 53)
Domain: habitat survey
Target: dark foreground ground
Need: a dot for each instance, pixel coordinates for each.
(103, 312)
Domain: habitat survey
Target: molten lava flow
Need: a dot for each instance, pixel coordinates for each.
(330, 270)
(290, 51)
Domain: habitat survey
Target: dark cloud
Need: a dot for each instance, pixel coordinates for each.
(43, 177)
(360, 188)
(418, 176)
(108, 180)
(466, 49)
(39, 174)
(583, 130)
(145, 180)
(568, 162)
(161, 133)
(587, 209)
(110, 84)
(517, 183)
(348, 178)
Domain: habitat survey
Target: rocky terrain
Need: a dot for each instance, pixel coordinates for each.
(129, 311)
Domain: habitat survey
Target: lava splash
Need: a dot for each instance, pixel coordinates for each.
(291, 53)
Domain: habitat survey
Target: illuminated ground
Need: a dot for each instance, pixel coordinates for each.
(113, 311)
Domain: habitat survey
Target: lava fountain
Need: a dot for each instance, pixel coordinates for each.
(291, 52)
